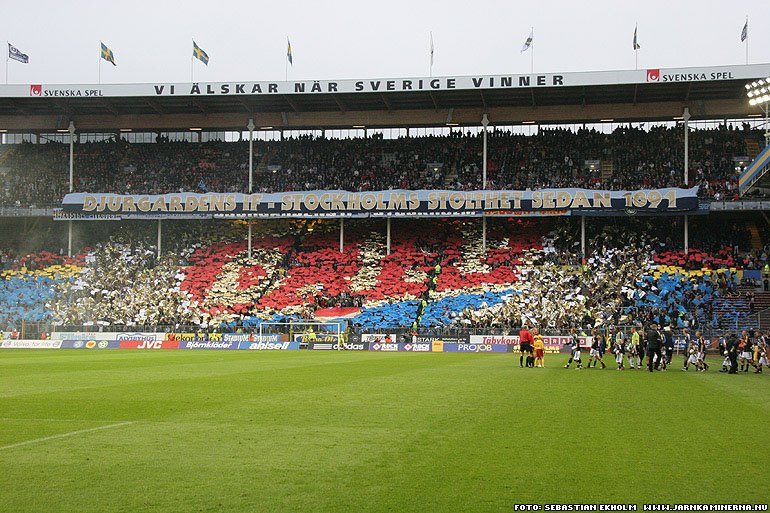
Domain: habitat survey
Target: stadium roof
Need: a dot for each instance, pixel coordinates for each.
(629, 95)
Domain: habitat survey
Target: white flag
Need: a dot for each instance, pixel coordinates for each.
(15, 54)
(528, 42)
(636, 42)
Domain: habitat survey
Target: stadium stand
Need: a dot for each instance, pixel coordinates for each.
(436, 277)
(434, 274)
(629, 158)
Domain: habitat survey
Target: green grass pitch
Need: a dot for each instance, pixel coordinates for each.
(192, 431)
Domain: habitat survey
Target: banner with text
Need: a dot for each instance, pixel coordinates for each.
(363, 85)
(391, 203)
(30, 344)
(551, 343)
(269, 346)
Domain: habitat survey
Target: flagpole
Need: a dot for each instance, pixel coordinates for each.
(532, 55)
(99, 65)
(431, 54)
(747, 39)
(7, 58)
(636, 50)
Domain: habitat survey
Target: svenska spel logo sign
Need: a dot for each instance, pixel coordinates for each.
(653, 75)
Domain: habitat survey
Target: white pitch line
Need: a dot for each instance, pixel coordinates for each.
(64, 435)
(16, 419)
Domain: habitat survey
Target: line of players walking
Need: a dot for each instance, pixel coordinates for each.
(657, 345)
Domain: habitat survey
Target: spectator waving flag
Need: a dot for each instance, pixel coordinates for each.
(288, 52)
(15, 54)
(199, 54)
(745, 31)
(107, 54)
(528, 43)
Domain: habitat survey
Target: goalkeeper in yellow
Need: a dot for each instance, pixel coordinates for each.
(539, 346)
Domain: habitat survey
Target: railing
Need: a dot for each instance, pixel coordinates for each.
(26, 211)
(760, 319)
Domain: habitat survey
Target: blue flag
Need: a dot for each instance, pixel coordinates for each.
(107, 54)
(199, 54)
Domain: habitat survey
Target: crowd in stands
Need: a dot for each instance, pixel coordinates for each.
(437, 276)
(627, 158)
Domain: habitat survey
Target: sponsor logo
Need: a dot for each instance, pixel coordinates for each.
(90, 344)
(250, 337)
(268, 346)
(697, 77)
(437, 346)
(67, 93)
(377, 346)
(36, 90)
(209, 344)
(494, 339)
(428, 339)
(31, 344)
(331, 338)
(145, 341)
(352, 346)
(377, 337)
(148, 344)
(417, 348)
(139, 337)
(476, 348)
(346, 346)
(237, 337)
(552, 343)
(189, 337)
(653, 75)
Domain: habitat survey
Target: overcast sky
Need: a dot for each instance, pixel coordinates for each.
(151, 40)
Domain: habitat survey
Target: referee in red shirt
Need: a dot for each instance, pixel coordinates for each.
(525, 343)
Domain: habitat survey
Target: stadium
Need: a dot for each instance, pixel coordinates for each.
(271, 295)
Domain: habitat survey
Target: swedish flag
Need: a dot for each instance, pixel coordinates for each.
(199, 54)
(107, 54)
